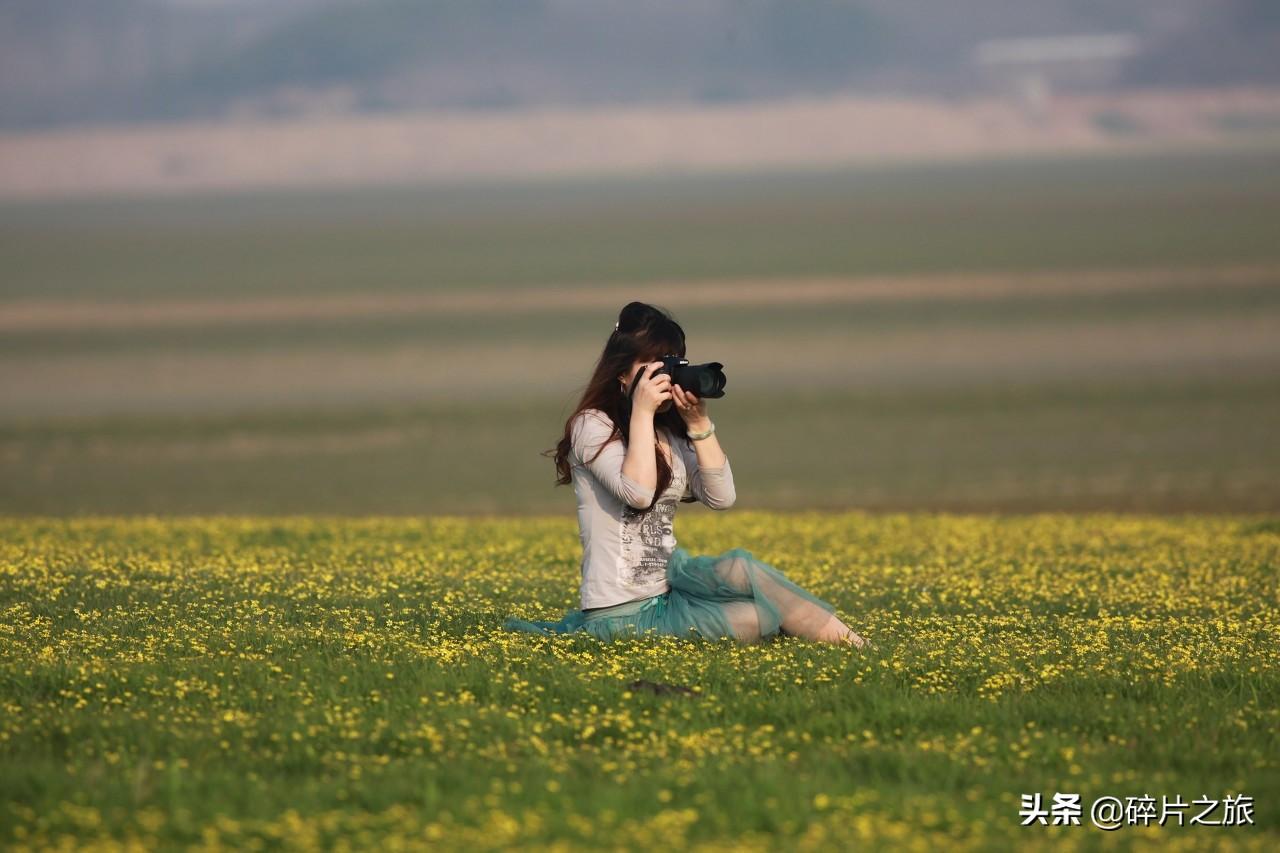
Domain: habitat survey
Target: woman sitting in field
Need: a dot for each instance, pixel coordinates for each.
(634, 577)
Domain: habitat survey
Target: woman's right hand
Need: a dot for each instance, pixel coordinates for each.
(653, 390)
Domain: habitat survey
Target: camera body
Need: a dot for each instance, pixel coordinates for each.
(703, 380)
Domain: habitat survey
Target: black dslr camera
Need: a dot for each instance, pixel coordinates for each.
(703, 380)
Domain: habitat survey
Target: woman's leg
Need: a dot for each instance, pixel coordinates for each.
(800, 616)
(744, 620)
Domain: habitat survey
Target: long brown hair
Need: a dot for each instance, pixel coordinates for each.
(643, 333)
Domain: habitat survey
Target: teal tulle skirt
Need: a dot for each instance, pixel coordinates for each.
(712, 596)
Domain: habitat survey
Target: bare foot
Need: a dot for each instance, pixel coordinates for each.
(848, 637)
(839, 633)
(858, 641)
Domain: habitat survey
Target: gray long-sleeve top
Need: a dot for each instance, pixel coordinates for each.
(625, 547)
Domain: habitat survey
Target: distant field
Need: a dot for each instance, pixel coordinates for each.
(1030, 213)
(252, 683)
(1202, 444)
(1039, 334)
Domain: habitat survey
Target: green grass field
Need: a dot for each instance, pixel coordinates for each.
(317, 682)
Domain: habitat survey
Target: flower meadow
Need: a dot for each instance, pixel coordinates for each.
(343, 683)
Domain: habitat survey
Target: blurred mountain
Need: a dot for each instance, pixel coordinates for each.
(93, 61)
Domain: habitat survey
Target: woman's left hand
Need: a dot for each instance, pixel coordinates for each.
(692, 408)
